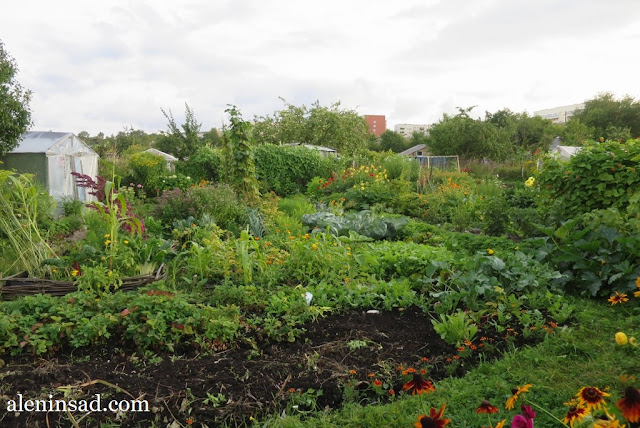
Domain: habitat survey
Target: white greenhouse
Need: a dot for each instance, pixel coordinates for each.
(52, 157)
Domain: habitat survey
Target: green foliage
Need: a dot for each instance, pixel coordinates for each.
(205, 164)
(607, 116)
(287, 170)
(468, 138)
(454, 328)
(344, 130)
(239, 150)
(22, 204)
(184, 142)
(598, 252)
(393, 141)
(575, 133)
(601, 175)
(148, 170)
(362, 223)
(15, 113)
(146, 320)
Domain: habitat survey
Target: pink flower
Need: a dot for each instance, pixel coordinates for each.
(139, 186)
(525, 420)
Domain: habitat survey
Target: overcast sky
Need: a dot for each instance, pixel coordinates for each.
(101, 66)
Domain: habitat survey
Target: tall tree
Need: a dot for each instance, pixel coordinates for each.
(181, 143)
(15, 113)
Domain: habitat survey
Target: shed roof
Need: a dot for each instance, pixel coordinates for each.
(166, 156)
(413, 149)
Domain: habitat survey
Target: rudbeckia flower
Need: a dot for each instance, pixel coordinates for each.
(575, 414)
(434, 420)
(419, 386)
(618, 298)
(591, 397)
(609, 422)
(486, 407)
(629, 405)
(511, 402)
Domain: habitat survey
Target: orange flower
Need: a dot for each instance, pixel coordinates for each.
(618, 298)
(419, 386)
(486, 407)
(434, 420)
(629, 405)
(352, 372)
(377, 382)
(501, 423)
(511, 402)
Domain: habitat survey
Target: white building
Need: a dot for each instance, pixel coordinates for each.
(559, 114)
(406, 129)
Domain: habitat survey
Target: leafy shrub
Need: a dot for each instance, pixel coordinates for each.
(146, 169)
(400, 166)
(287, 170)
(205, 164)
(601, 175)
(599, 252)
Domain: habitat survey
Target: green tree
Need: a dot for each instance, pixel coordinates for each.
(181, 141)
(607, 114)
(212, 138)
(331, 126)
(391, 140)
(574, 133)
(15, 113)
(468, 138)
(417, 138)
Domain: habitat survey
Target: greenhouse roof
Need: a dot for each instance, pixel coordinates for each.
(39, 142)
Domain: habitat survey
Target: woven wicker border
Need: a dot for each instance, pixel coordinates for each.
(20, 285)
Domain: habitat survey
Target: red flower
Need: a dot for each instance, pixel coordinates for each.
(486, 407)
(418, 385)
(434, 420)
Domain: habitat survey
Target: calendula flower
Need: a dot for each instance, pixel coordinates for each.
(575, 414)
(629, 405)
(618, 298)
(591, 397)
(490, 251)
(419, 386)
(511, 402)
(486, 407)
(315, 247)
(75, 272)
(433, 420)
(621, 338)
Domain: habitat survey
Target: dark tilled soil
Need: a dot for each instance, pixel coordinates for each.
(255, 379)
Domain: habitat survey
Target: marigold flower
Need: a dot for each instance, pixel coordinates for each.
(434, 420)
(352, 372)
(629, 405)
(511, 402)
(618, 298)
(575, 414)
(418, 385)
(591, 397)
(486, 407)
(621, 338)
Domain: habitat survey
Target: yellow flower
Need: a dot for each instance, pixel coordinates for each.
(106, 235)
(107, 242)
(490, 251)
(511, 402)
(621, 338)
(530, 182)
(55, 271)
(315, 247)
(292, 237)
(75, 272)
(125, 242)
(632, 341)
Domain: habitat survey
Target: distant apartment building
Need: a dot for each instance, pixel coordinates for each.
(407, 129)
(377, 124)
(559, 114)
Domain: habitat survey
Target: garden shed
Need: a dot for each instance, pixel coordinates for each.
(170, 159)
(51, 157)
(565, 152)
